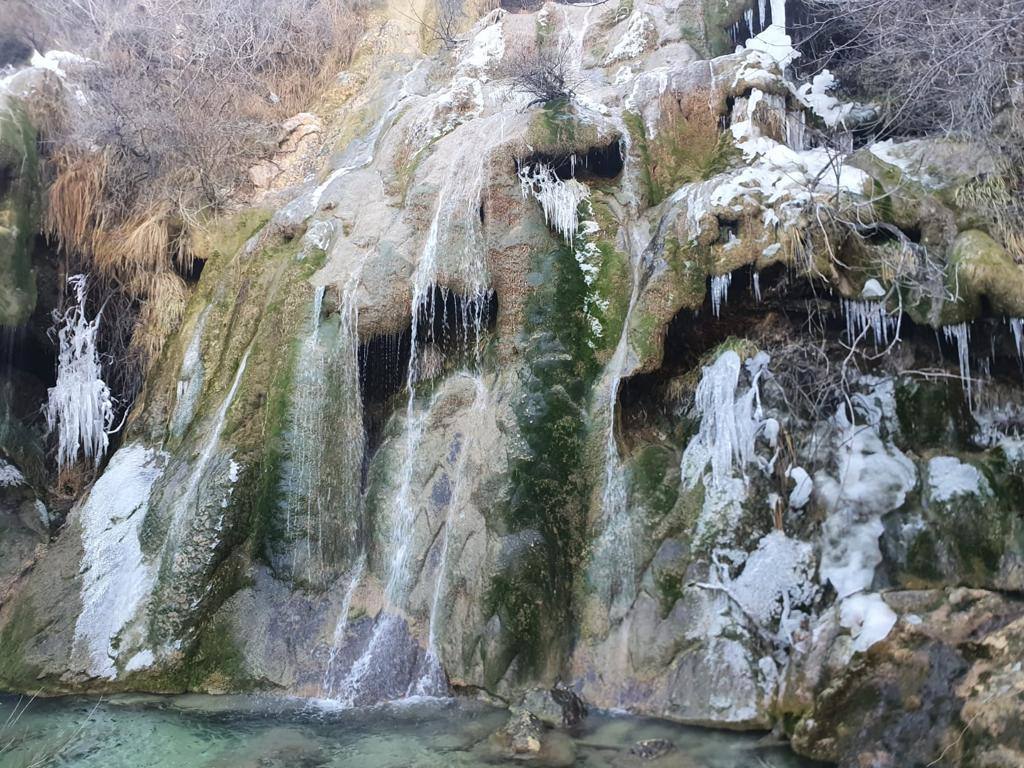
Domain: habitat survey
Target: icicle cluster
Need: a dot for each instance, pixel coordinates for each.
(862, 316)
(729, 421)
(719, 292)
(961, 335)
(1017, 327)
(559, 199)
(79, 405)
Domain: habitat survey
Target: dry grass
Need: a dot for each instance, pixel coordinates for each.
(167, 297)
(75, 199)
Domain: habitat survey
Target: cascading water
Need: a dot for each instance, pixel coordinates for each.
(433, 681)
(456, 220)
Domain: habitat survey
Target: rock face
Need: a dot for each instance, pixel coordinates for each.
(606, 390)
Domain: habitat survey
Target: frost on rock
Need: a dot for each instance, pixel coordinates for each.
(948, 477)
(10, 476)
(868, 618)
(777, 576)
(79, 405)
(633, 41)
(872, 477)
(118, 579)
(816, 96)
(559, 199)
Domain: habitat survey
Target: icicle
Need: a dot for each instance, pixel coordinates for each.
(559, 199)
(1017, 327)
(79, 405)
(729, 422)
(748, 16)
(961, 334)
(719, 292)
(757, 287)
(763, 13)
(862, 316)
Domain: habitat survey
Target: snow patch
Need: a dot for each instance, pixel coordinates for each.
(816, 96)
(118, 578)
(948, 477)
(868, 618)
(10, 476)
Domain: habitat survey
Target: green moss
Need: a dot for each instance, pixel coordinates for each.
(654, 480)
(932, 414)
(19, 214)
(555, 129)
(15, 672)
(688, 148)
(549, 487)
(224, 236)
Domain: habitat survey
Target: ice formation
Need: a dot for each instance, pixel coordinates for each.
(863, 316)
(730, 421)
(1017, 327)
(79, 405)
(118, 578)
(719, 292)
(872, 478)
(802, 488)
(961, 335)
(778, 575)
(948, 477)
(9, 475)
(559, 199)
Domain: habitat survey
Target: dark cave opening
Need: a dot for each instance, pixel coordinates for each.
(450, 328)
(602, 162)
(804, 319)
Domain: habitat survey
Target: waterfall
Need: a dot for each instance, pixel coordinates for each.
(455, 228)
(309, 440)
(186, 500)
(341, 626)
(433, 681)
(614, 549)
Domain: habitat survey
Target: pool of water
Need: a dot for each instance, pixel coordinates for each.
(268, 732)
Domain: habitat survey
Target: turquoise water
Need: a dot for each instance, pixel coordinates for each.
(266, 732)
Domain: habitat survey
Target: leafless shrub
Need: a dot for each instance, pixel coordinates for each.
(178, 100)
(545, 73)
(935, 66)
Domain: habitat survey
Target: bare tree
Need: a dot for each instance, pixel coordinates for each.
(545, 73)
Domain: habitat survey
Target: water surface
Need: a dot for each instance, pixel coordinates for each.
(271, 732)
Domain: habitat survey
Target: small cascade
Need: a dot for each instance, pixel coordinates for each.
(309, 430)
(341, 627)
(614, 551)
(863, 315)
(455, 229)
(185, 501)
(719, 292)
(434, 682)
(960, 334)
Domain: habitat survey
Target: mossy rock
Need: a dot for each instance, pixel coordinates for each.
(19, 213)
(981, 270)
